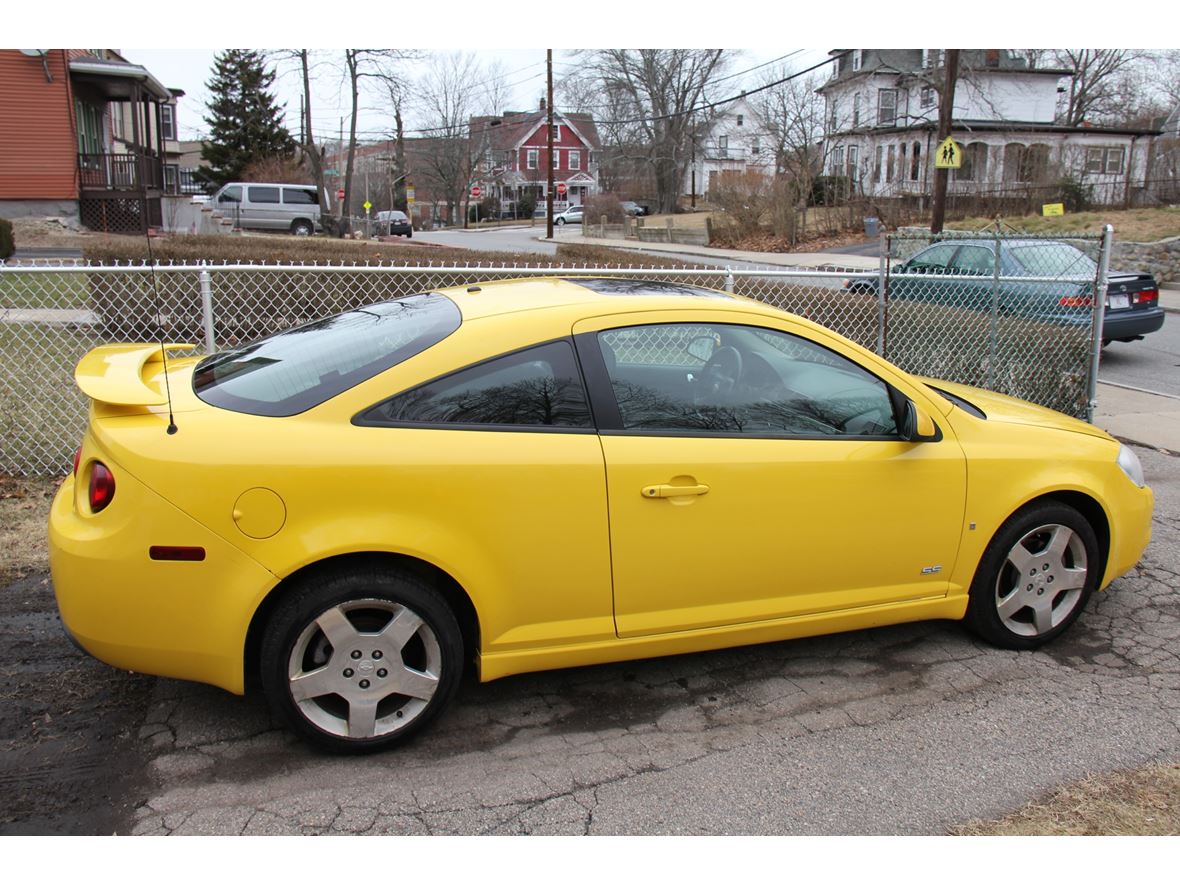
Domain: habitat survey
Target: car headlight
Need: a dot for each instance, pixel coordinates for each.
(1129, 462)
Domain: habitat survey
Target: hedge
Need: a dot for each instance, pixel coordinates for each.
(7, 242)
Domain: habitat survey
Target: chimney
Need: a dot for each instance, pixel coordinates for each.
(542, 102)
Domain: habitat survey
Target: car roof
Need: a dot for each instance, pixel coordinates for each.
(577, 295)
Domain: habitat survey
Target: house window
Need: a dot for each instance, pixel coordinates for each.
(856, 109)
(1015, 162)
(171, 179)
(927, 96)
(531, 158)
(915, 161)
(739, 122)
(886, 107)
(889, 158)
(854, 162)
(974, 166)
(168, 121)
(755, 147)
(1108, 160)
(556, 158)
(901, 162)
(1095, 157)
(877, 163)
(557, 132)
(832, 117)
(857, 59)
(575, 159)
(723, 146)
(837, 160)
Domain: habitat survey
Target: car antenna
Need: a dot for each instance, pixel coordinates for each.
(172, 428)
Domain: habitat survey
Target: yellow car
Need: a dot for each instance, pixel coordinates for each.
(552, 473)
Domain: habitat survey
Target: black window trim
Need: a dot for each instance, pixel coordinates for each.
(360, 419)
(604, 406)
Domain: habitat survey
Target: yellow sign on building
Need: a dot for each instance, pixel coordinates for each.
(949, 155)
(1053, 209)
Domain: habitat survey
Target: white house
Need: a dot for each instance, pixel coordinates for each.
(882, 123)
(736, 141)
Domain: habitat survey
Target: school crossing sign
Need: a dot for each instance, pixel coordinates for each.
(949, 155)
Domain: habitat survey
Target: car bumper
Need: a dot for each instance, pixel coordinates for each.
(186, 620)
(1130, 511)
(1131, 323)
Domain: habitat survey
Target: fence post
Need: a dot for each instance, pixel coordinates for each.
(882, 277)
(1099, 313)
(994, 335)
(207, 308)
(729, 280)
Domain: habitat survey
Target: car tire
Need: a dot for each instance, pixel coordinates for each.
(360, 660)
(409, 234)
(1035, 577)
(560, 221)
(302, 228)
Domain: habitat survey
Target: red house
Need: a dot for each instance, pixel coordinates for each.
(515, 156)
(83, 137)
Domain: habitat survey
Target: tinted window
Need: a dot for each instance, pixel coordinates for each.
(538, 387)
(231, 194)
(263, 194)
(974, 260)
(740, 380)
(933, 259)
(302, 367)
(299, 195)
(1054, 259)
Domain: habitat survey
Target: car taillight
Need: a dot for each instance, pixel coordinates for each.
(1147, 295)
(77, 461)
(1076, 301)
(102, 487)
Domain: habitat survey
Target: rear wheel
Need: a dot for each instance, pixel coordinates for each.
(358, 661)
(302, 228)
(1035, 577)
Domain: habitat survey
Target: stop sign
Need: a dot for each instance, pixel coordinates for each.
(561, 188)
(340, 194)
(475, 191)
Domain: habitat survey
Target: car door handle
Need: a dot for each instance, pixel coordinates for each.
(670, 491)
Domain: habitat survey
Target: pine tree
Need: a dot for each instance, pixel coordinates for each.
(245, 121)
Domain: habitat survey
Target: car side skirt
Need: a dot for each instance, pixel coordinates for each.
(497, 665)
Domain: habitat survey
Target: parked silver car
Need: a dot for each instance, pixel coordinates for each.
(572, 215)
(264, 206)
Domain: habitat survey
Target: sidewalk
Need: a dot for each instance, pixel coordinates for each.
(809, 260)
(1136, 416)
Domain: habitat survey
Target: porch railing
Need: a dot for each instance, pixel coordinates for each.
(120, 172)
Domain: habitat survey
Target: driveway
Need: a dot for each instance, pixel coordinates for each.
(907, 729)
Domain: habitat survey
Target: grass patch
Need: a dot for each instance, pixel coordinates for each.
(24, 290)
(1143, 802)
(24, 515)
(1130, 225)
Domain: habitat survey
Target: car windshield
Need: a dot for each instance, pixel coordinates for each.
(1053, 260)
(302, 367)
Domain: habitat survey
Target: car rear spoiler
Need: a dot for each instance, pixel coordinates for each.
(114, 373)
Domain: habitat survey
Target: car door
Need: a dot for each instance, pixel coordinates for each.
(754, 473)
(912, 280)
(262, 208)
(977, 288)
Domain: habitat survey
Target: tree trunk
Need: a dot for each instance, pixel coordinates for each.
(310, 151)
(346, 221)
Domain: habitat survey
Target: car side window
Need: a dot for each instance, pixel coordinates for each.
(730, 379)
(537, 387)
(263, 194)
(975, 260)
(932, 260)
(231, 194)
(299, 196)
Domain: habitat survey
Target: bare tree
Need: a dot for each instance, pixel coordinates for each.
(310, 153)
(1102, 83)
(657, 99)
(794, 115)
(451, 93)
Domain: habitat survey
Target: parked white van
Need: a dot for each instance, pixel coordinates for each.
(263, 206)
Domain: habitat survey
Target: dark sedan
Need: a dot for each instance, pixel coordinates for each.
(393, 223)
(1132, 299)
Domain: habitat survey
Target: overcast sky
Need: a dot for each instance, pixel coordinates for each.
(524, 69)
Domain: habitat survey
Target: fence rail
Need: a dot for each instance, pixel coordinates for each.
(991, 330)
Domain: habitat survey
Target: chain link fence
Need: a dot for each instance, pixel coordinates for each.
(942, 325)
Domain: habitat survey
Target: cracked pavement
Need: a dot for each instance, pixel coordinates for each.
(901, 730)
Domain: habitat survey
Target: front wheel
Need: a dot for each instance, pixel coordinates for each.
(302, 228)
(1035, 577)
(358, 661)
(560, 221)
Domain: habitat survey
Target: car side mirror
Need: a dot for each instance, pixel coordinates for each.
(917, 425)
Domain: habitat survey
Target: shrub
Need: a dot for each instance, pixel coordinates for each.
(7, 242)
(604, 204)
(1075, 194)
(830, 190)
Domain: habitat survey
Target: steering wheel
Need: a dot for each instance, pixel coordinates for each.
(721, 373)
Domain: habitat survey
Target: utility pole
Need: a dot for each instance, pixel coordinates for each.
(946, 108)
(549, 141)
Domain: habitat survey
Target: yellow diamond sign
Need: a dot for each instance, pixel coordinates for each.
(367, 205)
(949, 155)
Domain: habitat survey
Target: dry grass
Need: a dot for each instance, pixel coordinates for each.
(1131, 225)
(24, 514)
(1143, 802)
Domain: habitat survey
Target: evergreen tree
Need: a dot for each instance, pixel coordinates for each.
(245, 121)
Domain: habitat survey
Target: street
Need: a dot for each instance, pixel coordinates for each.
(1150, 364)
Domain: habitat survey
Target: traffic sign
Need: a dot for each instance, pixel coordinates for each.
(561, 188)
(949, 155)
(367, 205)
(475, 191)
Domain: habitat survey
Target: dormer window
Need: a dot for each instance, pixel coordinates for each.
(739, 119)
(857, 59)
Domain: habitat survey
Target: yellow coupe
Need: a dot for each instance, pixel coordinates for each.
(552, 473)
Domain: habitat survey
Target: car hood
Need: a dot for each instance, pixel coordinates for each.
(1010, 410)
